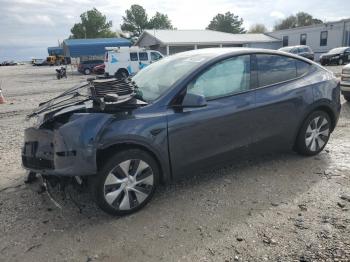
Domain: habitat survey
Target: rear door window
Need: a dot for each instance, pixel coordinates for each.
(133, 57)
(273, 69)
(143, 56)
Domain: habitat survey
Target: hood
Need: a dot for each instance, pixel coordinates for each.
(96, 95)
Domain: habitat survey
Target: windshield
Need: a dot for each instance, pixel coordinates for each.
(155, 79)
(338, 50)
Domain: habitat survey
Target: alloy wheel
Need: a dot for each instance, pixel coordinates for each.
(317, 133)
(128, 184)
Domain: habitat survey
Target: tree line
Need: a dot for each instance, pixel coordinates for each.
(94, 24)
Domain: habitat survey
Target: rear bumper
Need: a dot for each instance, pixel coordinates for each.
(345, 84)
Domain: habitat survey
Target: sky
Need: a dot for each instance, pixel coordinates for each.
(28, 27)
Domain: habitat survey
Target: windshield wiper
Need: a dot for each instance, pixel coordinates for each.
(59, 104)
(67, 92)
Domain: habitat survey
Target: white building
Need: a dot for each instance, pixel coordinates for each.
(174, 41)
(321, 37)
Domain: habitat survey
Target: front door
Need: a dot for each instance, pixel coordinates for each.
(205, 136)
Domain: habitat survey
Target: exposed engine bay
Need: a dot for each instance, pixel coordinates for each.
(60, 147)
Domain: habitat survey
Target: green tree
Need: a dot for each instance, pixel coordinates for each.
(93, 25)
(297, 20)
(257, 28)
(135, 20)
(159, 21)
(228, 23)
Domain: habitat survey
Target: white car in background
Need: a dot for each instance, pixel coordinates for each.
(345, 82)
(124, 61)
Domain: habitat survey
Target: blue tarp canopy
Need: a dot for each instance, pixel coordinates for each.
(91, 47)
(56, 50)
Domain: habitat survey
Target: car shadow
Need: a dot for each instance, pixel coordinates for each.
(259, 180)
(230, 195)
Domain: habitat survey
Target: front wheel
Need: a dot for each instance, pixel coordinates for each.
(126, 182)
(314, 134)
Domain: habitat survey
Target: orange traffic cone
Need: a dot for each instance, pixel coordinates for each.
(2, 98)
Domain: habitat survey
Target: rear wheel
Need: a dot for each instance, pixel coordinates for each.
(121, 74)
(126, 182)
(314, 134)
(87, 71)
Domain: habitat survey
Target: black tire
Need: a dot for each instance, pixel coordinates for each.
(99, 187)
(347, 98)
(87, 71)
(304, 135)
(121, 74)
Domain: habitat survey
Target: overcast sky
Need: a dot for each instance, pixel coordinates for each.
(28, 27)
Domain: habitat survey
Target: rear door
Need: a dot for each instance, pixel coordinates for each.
(278, 96)
(205, 136)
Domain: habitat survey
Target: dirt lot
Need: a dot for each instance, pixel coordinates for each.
(275, 208)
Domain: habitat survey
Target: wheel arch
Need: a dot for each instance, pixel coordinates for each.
(319, 106)
(103, 154)
(122, 69)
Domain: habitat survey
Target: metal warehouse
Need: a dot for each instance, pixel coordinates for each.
(174, 41)
(91, 47)
(320, 37)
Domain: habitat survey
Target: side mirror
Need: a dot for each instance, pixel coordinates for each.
(194, 100)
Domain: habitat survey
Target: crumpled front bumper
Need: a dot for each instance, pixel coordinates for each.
(69, 150)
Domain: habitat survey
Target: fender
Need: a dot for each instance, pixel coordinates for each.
(321, 104)
(152, 138)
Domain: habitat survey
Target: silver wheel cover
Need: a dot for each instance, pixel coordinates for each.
(128, 184)
(317, 133)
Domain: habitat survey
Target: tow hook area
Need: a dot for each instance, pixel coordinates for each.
(60, 190)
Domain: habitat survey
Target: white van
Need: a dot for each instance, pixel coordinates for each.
(125, 61)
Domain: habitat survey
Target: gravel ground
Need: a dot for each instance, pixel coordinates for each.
(273, 208)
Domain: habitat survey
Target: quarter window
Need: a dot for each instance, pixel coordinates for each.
(273, 69)
(224, 78)
(143, 56)
(303, 39)
(324, 37)
(133, 57)
(302, 67)
(285, 40)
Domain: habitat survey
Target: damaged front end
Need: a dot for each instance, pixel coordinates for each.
(64, 139)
